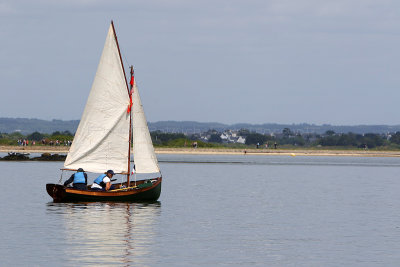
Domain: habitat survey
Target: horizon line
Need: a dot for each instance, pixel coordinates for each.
(228, 124)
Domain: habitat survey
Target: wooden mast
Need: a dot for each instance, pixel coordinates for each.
(130, 113)
(130, 130)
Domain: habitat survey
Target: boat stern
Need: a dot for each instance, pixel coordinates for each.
(56, 191)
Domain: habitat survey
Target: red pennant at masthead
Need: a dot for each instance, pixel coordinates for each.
(130, 93)
(132, 80)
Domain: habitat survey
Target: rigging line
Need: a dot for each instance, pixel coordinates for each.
(61, 177)
(120, 57)
(125, 58)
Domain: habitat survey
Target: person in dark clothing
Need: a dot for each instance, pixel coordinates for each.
(79, 180)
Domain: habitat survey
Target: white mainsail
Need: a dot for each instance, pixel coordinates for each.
(143, 151)
(102, 139)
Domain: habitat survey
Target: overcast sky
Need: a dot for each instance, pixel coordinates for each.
(255, 61)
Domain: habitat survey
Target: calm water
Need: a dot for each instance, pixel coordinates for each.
(213, 211)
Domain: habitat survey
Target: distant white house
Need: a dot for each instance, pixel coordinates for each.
(224, 136)
(241, 140)
(204, 138)
(230, 136)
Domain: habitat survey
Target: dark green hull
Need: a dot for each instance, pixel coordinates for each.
(60, 193)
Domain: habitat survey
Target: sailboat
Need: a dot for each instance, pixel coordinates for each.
(113, 123)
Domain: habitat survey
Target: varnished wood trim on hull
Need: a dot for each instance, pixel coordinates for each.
(60, 193)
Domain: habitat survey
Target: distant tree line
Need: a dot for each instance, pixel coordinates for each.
(177, 140)
(212, 138)
(329, 139)
(286, 138)
(369, 140)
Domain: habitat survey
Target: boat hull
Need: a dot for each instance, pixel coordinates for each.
(60, 193)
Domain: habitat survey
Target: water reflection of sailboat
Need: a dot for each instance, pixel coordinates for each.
(109, 233)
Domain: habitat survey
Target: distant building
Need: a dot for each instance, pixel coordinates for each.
(224, 136)
(241, 140)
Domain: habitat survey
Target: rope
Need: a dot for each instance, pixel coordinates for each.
(61, 177)
(124, 58)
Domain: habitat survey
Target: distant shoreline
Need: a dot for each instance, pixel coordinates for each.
(223, 151)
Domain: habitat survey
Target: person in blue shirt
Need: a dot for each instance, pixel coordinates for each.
(103, 181)
(79, 180)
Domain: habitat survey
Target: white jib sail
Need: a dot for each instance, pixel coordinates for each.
(143, 151)
(102, 139)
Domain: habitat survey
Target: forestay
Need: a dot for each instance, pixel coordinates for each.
(102, 139)
(143, 150)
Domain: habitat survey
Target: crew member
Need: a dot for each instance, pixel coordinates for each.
(79, 180)
(103, 182)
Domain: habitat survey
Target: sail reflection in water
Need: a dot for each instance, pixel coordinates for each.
(109, 233)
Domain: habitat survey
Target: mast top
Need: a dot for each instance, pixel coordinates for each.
(120, 56)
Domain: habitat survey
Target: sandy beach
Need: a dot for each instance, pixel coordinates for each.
(223, 151)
